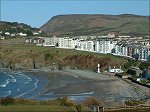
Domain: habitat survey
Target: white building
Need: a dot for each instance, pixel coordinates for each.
(22, 34)
(13, 35)
(85, 45)
(35, 33)
(67, 42)
(7, 33)
(144, 53)
(104, 45)
(115, 70)
(50, 41)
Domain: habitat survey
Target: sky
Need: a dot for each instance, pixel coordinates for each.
(38, 12)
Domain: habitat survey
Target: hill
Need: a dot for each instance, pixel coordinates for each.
(96, 24)
(15, 27)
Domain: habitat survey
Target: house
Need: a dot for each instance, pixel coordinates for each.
(115, 70)
(85, 45)
(7, 33)
(13, 35)
(104, 45)
(50, 41)
(37, 40)
(2, 37)
(35, 33)
(67, 42)
(28, 40)
(22, 34)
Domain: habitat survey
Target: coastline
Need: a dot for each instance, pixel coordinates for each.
(89, 84)
(80, 84)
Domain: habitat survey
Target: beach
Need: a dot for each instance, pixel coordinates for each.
(77, 85)
(80, 84)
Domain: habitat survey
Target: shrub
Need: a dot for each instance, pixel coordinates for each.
(79, 107)
(7, 101)
(66, 102)
(92, 101)
(133, 102)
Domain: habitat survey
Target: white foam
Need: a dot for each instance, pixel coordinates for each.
(11, 76)
(3, 85)
(7, 81)
(5, 93)
(51, 93)
(35, 84)
(21, 78)
(12, 79)
(90, 93)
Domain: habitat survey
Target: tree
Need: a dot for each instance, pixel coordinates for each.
(29, 33)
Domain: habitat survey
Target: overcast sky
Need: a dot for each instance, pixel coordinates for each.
(38, 12)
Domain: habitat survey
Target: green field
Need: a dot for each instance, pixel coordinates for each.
(59, 109)
(36, 109)
(131, 110)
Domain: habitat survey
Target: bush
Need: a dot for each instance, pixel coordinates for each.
(133, 102)
(66, 102)
(79, 107)
(7, 101)
(92, 101)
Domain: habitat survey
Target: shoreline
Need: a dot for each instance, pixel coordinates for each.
(107, 88)
(103, 78)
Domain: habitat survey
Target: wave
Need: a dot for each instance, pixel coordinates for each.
(78, 98)
(80, 94)
(3, 85)
(35, 86)
(7, 81)
(5, 93)
(22, 78)
(12, 79)
(90, 93)
(51, 93)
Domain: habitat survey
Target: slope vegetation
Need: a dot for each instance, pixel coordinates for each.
(84, 24)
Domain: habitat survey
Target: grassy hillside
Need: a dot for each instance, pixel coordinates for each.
(15, 54)
(96, 24)
(28, 56)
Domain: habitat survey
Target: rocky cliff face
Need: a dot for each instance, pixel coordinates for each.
(84, 24)
(29, 58)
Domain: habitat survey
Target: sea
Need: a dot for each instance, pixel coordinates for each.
(19, 84)
(31, 85)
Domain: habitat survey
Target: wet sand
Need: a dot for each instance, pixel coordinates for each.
(79, 84)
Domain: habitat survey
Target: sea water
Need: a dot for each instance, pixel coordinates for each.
(18, 84)
(28, 85)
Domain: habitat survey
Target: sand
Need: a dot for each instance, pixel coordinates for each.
(79, 84)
